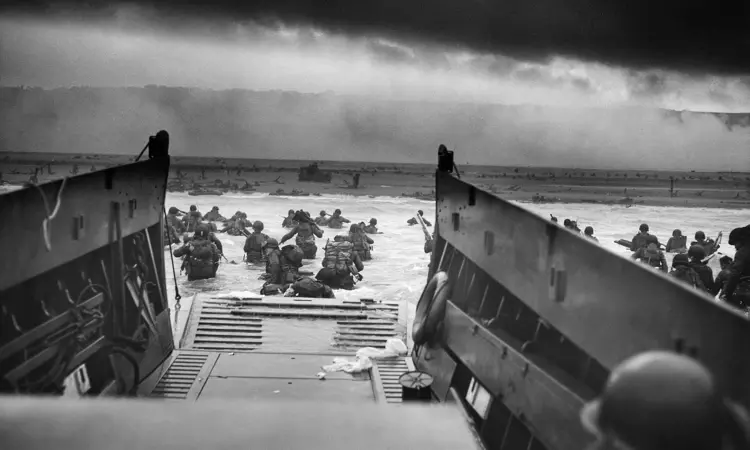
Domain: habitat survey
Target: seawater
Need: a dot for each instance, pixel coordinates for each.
(398, 270)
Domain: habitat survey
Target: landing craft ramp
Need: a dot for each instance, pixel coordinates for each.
(260, 348)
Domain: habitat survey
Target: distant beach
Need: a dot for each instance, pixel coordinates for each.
(541, 185)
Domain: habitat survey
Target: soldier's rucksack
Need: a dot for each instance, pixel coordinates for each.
(339, 257)
(310, 287)
(687, 276)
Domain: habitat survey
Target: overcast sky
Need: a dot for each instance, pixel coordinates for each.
(122, 51)
(317, 53)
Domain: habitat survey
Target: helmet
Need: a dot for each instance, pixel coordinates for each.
(323, 213)
(173, 210)
(699, 235)
(421, 213)
(202, 231)
(659, 400)
(566, 222)
(651, 239)
(697, 252)
(338, 211)
(272, 243)
(725, 260)
(215, 208)
(589, 230)
(677, 233)
(373, 221)
(739, 235)
(258, 225)
(643, 227)
(291, 211)
(680, 260)
(354, 228)
(193, 208)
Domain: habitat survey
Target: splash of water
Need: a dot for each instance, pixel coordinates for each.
(398, 270)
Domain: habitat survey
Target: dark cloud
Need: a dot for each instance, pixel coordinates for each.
(231, 123)
(583, 84)
(496, 65)
(647, 85)
(533, 75)
(641, 34)
(431, 59)
(390, 53)
(543, 76)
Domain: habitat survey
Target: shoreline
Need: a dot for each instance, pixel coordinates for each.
(551, 186)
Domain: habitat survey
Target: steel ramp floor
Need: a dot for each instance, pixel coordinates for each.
(260, 348)
(192, 375)
(290, 324)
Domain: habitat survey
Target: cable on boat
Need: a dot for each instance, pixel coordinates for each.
(115, 324)
(177, 296)
(50, 216)
(142, 151)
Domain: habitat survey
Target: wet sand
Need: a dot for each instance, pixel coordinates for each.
(555, 185)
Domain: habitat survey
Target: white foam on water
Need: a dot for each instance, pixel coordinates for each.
(398, 270)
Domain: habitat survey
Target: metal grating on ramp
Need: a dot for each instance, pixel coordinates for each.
(228, 324)
(180, 376)
(388, 371)
(365, 332)
(220, 330)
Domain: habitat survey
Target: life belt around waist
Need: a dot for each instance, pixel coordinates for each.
(431, 308)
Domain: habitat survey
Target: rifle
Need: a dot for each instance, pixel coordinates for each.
(427, 235)
(227, 259)
(717, 242)
(301, 216)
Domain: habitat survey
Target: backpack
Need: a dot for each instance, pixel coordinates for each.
(652, 257)
(293, 255)
(192, 220)
(305, 241)
(200, 262)
(255, 242)
(361, 246)
(338, 257)
(688, 276)
(202, 250)
(310, 287)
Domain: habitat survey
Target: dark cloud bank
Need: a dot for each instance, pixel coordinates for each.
(251, 124)
(692, 37)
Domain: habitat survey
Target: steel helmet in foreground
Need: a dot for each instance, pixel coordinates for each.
(664, 401)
